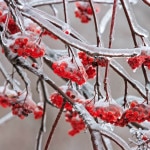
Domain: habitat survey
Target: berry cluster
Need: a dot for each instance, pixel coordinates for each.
(50, 34)
(37, 30)
(71, 115)
(109, 113)
(22, 45)
(6, 101)
(12, 26)
(75, 121)
(24, 108)
(32, 27)
(90, 63)
(136, 113)
(102, 62)
(70, 68)
(83, 11)
(137, 61)
(27, 46)
(113, 113)
(87, 62)
(21, 105)
(57, 100)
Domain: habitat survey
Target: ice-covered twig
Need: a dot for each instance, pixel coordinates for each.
(43, 120)
(129, 98)
(36, 3)
(147, 84)
(134, 26)
(54, 126)
(96, 127)
(105, 20)
(113, 64)
(114, 12)
(6, 118)
(147, 2)
(8, 78)
(89, 49)
(24, 77)
(96, 138)
(98, 36)
(121, 71)
(79, 108)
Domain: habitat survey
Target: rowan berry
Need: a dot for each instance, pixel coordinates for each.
(70, 68)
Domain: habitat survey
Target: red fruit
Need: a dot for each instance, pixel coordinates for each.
(4, 101)
(144, 138)
(22, 110)
(133, 104)
(38, 112)
(89, 10)
(26, 46)
(83, 11)
(102, 62)
(85, 19)
(147, 62)
(66, 31)
(58, 100)
(136, 61)
(48, 33)
(87, 62)
(77, 13)
(75, 121)
(70, 69)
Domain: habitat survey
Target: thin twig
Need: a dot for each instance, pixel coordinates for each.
(135, 28)
(54, 126)
(96, 139)
(147, 84)
(65, 5)
(147, 2)
(78, 107)
(90, 50)
(35, 3)
(134, 83)
(6, 118)
(43, 120)
(8, 78)
(98, 36)
(106, 81)
(114, 12)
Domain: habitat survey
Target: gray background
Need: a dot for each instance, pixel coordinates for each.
(21, 134)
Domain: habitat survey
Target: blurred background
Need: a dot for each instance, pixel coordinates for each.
(17, 134)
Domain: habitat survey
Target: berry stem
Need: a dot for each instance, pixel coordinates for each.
(54, 126)
(43, 120)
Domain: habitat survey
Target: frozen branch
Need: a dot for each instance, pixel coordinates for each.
(147, 2)
(96, 139)
(6, 118)
(52, 56)
(96, 127)
(105, 20)
(134, 83)
(8, 78)
(135, 28)
(89, 49)
(36, 3)
(43, 120)
(79, 108)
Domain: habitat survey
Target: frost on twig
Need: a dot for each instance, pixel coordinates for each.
(91, 50)
(6, 118)
(79, 102)
(131, 18)
(95, 127)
